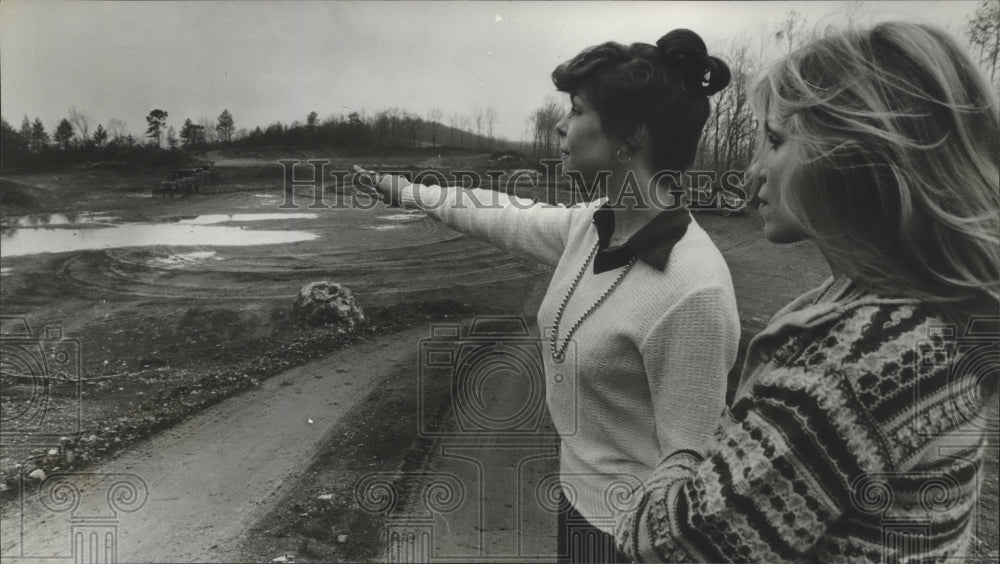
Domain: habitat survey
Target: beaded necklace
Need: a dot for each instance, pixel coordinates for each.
(559, 352)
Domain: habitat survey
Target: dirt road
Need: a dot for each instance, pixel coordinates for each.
(193, 490)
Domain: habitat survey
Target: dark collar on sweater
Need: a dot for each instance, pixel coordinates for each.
(652, 243)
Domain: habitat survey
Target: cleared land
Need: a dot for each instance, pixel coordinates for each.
(169, 331)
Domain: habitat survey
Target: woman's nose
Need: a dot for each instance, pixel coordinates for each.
(561, 127)
(753, 182)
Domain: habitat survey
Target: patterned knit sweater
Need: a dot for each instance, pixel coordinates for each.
(645, 374)
(857, 434)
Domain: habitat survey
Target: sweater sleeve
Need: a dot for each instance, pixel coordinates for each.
(514, 224)
(766, 492)
(822, 446)
(687, 356)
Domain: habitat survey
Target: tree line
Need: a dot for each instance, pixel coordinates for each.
(728, 141)
(73, 141)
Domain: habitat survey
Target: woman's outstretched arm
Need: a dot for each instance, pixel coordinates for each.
(514, 224)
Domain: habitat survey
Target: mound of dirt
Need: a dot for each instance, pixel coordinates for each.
(19, 198)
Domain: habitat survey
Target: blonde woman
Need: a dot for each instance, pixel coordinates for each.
(640, 312)
(859, 427)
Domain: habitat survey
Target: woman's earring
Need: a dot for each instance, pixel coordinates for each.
(623, 155)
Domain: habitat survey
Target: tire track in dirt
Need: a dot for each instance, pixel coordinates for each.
(136, 273)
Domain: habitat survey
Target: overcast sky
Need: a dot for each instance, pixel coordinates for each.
(271, 61)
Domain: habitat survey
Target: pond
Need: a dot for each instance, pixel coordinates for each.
(56, 219)
(210, 219)
(27, 237)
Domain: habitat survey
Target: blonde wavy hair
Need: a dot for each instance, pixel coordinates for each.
(900, 138)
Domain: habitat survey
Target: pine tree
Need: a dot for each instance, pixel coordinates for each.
(156, 119)
(64, 133)
(225, 126)
(39, 138)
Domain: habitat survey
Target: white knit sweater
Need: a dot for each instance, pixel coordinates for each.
(645, 375)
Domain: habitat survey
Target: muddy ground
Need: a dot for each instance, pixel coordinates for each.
(166, 331)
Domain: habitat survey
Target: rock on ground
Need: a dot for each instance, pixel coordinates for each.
(324, 302)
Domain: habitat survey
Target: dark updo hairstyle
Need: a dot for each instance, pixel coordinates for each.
(663, 87)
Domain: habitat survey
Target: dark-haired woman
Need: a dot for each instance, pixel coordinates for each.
(640, 316)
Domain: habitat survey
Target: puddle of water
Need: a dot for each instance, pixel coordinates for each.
(274, 196)
(57, 219)
(185, 259)
(384, 227)
(212, 219)
(17, 242)
(5, 271)
(401, 217)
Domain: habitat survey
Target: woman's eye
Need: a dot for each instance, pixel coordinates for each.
(773, 141)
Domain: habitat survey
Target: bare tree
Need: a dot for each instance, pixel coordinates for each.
(544, 120)
(434, 117)
(412, 124)
(852, 11)
(117, 129)
(381, 127)
(209, 134)
(395, 116)
(465, 124)
(80, 122)
(480, 121)
(454, 120)
(491, 121)
(729, 136)
(983, 31)
(791, 31)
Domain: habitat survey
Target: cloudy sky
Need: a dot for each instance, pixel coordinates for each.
(277, 61)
